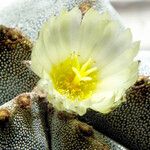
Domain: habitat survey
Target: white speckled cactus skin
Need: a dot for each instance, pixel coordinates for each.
(29, 15)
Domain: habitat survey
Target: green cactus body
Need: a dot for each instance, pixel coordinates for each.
(28, 122)
(15, 77)
(129, 124)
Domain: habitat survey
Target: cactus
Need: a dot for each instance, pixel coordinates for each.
(129, 124)
(15, 77)
(29, 122)
(22, 126)
(35, 12)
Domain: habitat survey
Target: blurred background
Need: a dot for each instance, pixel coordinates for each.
(135, 14)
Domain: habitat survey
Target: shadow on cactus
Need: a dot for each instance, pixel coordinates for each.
(76, 74)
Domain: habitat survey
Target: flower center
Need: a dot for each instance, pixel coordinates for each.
(75, 79)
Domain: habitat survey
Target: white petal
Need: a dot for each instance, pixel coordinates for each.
(112, 47)
(56, 40)
(121, 61)
(102, 38)
(60, 34)
(92, 27)
(105, 103)
(40, 62)
(113, 88)
(120, 78)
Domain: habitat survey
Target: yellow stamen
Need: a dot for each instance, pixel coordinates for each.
(75, 79)
(91, 70)
(85, 65)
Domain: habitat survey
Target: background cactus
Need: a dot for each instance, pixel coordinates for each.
(129, 124)
(15, 77)
(28, 122)
(24, 128)
(34, 12)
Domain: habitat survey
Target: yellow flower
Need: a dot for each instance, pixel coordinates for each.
(85, 62)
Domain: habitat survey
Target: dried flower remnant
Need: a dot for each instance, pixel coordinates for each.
(84, 7)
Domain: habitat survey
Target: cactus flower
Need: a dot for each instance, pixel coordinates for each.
(85, 61)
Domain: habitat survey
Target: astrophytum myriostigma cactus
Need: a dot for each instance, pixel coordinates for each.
(28, 121)
(129, 124)
(15, 77)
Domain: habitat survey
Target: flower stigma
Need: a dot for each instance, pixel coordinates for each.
(75, 79)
